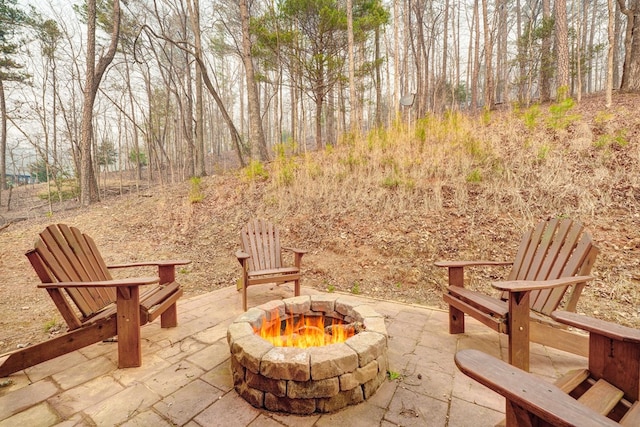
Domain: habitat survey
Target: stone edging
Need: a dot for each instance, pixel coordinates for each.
(308, 380)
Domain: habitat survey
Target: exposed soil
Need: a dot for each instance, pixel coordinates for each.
(352, 248)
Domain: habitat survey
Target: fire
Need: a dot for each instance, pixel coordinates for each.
(306, 331)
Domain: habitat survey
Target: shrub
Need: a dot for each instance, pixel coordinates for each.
(530, 116)
(255, 171)
(284, 167)
(560, 117)
(474, 176)
(195, 191)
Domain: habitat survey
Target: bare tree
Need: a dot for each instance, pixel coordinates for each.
(94, 74)
(546, 66)
(194, 19)
(631, 69)
(611, 37)
(502, 61)
(258, 141)
(188, 48)
(488, 59)
(353, 97)
(476, 57)
(562, 48)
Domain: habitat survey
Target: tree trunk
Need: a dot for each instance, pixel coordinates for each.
(521, 52)
(420, 60)
(562, 49)
(546, 66)
(591, 79)
(396, 60)
(488, 59)
(631, 69)
(186, 118)
(476, 58)
(88, 183)
(3, 141)
(502, 67)
(616, 46)
(442, 86)
(319, 102)
(258, 143)
(378, 78)
(578, 55)
(611, 35)
(194, 18)
(353, 94)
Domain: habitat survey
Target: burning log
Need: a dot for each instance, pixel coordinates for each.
(309, 329)
(347, 328)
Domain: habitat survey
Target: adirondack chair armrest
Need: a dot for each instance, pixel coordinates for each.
(166, 263)
(297, 254)
(598, 326)
(295, 250)
(456, 268)
(166, 268)
(462, 264)
(527, 395)
(532, 285)
(116, 283)
(242, 256)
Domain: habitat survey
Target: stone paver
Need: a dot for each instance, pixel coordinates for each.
(25, 397)
(186, 378)
(122, 406)
(78, 398)
(188, 401)
(39, 415)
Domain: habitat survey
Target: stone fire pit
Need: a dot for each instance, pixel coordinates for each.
(315, 379)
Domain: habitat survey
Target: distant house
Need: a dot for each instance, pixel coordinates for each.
(20, 179)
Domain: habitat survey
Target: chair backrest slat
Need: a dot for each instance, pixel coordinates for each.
(264, 244)
(549, 246)
(524, 257)
(579, 263)
(261, 240)
(554, 248)
(558, 238)
(70, 255)
(86, 258)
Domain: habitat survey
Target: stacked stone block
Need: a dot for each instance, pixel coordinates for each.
(307, 380)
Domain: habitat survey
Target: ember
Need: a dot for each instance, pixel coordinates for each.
(306, 331)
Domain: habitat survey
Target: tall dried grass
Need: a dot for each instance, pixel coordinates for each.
(512, 165)
(461, 187)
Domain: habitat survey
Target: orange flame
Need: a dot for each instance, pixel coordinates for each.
(304, 332)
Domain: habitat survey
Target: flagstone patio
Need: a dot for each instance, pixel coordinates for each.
(185, 378)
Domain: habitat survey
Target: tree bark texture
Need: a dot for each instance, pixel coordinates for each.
(562, 48)
(258, 142)
(88, 184)
(631, 69)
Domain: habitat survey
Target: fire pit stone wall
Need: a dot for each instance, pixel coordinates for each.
(314, 379)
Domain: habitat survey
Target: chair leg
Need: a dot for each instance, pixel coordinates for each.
(169, 319)
(456, 320)
(244, 296)
(296, 289)
(519, 325)
(128, 324)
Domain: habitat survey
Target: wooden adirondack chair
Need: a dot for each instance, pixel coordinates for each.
(94, 305)
(554, 256)
(605, 394)
(261, 258)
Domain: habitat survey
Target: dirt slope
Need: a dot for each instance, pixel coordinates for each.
(383, 249)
